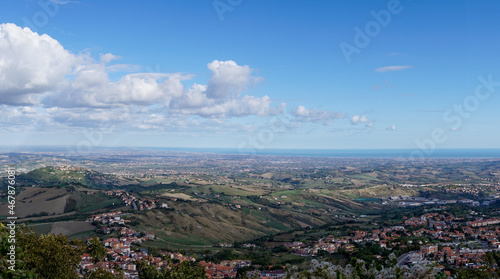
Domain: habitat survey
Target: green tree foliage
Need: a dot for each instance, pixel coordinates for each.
(96, 250)
(51, 256)
(470, 273)
(45, 256)
(102, 274)
(20, 271)
(490, 258)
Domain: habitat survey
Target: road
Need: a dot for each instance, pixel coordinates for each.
(403, 258)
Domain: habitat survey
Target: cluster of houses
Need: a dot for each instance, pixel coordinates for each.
(69, 168)
(452, 232)
(332, 245)
(118, 250)
(463, 257)
(178, 256)
(459, 257)
(418, 201)
(226, 269)
(471, 190)
(326, 244)
(229, 269)
(232, 206)
(118, 257)
(266, 274)
(482, 223)
(449, 231)
(126, 261)
(109, 218)
(118, 254)
(138, 204)
(121, 256)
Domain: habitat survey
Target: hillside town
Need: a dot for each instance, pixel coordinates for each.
(435, 238)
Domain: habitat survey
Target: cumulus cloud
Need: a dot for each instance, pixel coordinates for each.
(302, 114)
(201, 105)
(229, 79)
(392, 128)
(91, 87)
(30, 65)
(392, 68)
(42, 83)
(37, 70)
(358, 119)
(88, 116)
(22, 118)
(108, 57)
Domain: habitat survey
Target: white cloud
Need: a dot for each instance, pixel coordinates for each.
(357, 119)
(36, 69)
(43, 84)
(201, 105)
(392, 128)
(91, 117)
(302, 114)
(301, 111)
(22, 117)
(229, 79)
(30, 65)
(108, 57)
(392, 68)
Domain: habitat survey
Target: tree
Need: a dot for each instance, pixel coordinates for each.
(147, 271)
(50, 256)
(489, 259)
(470, 273)
(101, 274)
(20, 271)
(187, 270)
(96, 250)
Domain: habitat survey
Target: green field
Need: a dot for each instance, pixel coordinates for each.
(228, 190)
(44, 228)
(86, 203)
(78, 229)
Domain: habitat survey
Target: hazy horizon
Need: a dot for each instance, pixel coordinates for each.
(340, 153)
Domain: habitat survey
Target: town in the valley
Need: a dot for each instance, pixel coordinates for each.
(268, 217)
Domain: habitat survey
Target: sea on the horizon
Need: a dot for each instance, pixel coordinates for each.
(340, 153)
(354, 153)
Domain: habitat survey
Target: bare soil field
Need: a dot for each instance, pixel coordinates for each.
(181, 196)
(34, 200)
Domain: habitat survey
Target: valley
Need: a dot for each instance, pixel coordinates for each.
(270, 209)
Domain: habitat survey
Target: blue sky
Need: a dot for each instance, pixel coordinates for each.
(250, 74)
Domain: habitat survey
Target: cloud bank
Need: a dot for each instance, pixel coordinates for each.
(44, 84)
